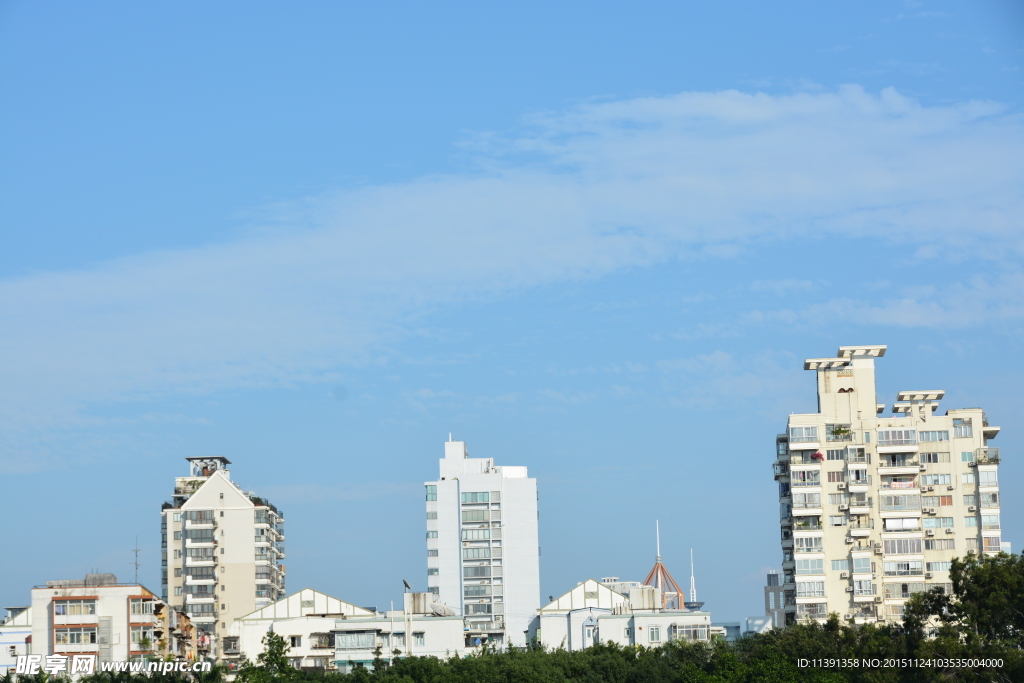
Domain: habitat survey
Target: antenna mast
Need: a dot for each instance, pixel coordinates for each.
(136, 550)
(657, 535)
(693, 583)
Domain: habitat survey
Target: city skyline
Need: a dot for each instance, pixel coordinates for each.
(316, 240)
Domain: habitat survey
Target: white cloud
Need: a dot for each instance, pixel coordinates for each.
(581, 193)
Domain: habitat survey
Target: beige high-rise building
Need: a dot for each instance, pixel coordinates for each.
(222, 549)
(874, 506)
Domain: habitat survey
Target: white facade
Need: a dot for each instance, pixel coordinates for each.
(874, 506)
(304, 619)
(593, 613)
(222, 548)
(483, 557)
(15, 630)
(98, 616)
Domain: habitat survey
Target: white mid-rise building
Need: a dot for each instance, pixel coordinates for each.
(874, 506)
(222, 549)
(15, 637)
(483, 557)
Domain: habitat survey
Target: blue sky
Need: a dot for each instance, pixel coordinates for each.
(593, 239)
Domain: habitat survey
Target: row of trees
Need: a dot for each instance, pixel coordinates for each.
(982, 619)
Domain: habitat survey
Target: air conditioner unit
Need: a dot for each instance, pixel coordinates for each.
(972, 508)
(931, 488)
(849, 589)
(878, 598)
(878, 545)
(841, 486)
(972, 464)
(929, 532)
(927, 575)
(949, 488)
(924, 468)
(844, 575)
(849, 539)
(949, 530)
(844, 507)
(932, 511)
(847, 616)
(878, 551)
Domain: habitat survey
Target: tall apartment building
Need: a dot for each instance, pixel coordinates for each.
(774, 600)
(483, 558)
(874, 506)
(222, 548)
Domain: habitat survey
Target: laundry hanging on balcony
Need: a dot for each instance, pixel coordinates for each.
(818, 456)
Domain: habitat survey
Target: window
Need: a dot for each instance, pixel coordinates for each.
(477, 608)
(475, 516)
(654, 633)
(837, 499)
(970, 499)
(859, 476)
(419, 639)
(938, 566)
(904, 590)
(626, 633)
(903, 568)
(903, 546)
(810, 566)
(967, 478)
(833, 454)
(475, 553)
(810, 589)
(992, 544)
(177, 572)
(143, 606)
(990, 521)
(476, 572)
(939, 544)
(75, 636)
(432, 571)
(962, 427)
(934, 457)
(771, 600)
(971, 521)
(990, 500)
(431, 553)
(177, 590)
(811, 610)
(177, 516)
(966, 456)
(476, 534)
(177, 535)
(972, 544)
(74, 607)
(142, 635)
(863, 565)
(476, 591)
(835, 477)
(897, 437)
(295, 641)
(199, 516)
(199, 535)
(432, 492)
(988, 478)
(902, 523)
(837, 520)
(936, 501)
(431, 515)
(935, 479)
(863, 588)
(933, 436)
(482, 497)
(867, 437)
(840, 565)
(804, 478)
(809, 544)
(357, 640)
(803, 434)
(838, 432)
(937, 522)
(431, 534)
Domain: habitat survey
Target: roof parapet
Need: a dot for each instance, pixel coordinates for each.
(933, 395)
(825, 363)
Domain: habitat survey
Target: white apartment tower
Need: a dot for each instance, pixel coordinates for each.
(483, 558)
(874, 506)
(222, 549)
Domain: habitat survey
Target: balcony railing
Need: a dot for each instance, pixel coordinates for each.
(986, 456)
(895, 485)
(869, 524)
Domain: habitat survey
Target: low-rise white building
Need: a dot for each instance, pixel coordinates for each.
(15, 637)
(305, 620)
(592, 613)
(113, 621)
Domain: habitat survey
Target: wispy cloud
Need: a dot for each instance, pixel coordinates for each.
(337, 278)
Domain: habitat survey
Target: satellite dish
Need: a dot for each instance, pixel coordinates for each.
(407, 586)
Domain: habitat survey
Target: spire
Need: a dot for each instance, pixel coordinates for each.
(693, 582)
(672, 595)
(657, 535)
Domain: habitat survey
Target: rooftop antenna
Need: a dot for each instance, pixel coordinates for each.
(136, 550)
(657, 535)
(693, 583)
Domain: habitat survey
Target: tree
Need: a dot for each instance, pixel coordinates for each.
(271, 665)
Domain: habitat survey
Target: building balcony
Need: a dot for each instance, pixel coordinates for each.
(895, 470)
(201, 599)
(204, 581)
(899, 486)
(192, 543)
(201, 524)
(200, 561)
(986, 456)
(69, 648)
